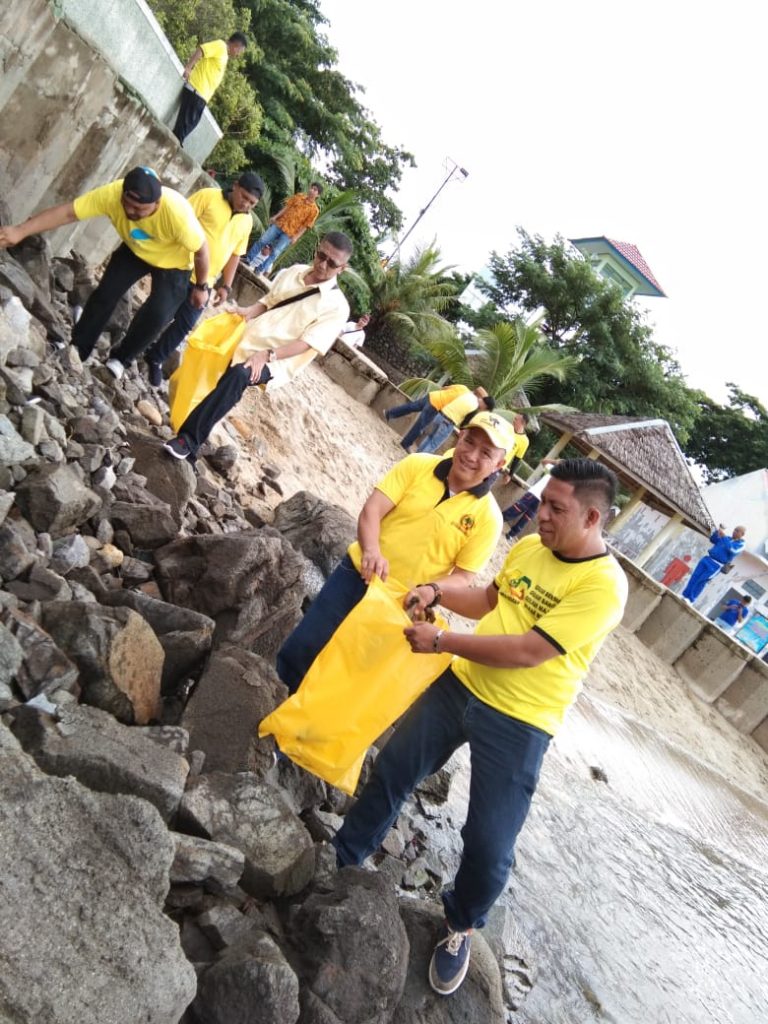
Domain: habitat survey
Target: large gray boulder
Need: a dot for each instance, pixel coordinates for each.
(250, 981)
(148, 526)
(235, 692)
(185, 635)
(119, 658)
(478, 1001)
(170, 480)
(203, 862)
(320, 530)
(242, 811)
(54, 499)
(103, 755)
(514, 955)
(353, 947)
(249, 582)
(83, 939)
(44, 668)
(13, 448)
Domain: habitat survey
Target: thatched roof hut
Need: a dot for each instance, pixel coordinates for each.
(645, 456)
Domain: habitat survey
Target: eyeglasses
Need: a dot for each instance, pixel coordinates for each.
(323, 257)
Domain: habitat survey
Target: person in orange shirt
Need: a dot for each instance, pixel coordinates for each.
(287, 226)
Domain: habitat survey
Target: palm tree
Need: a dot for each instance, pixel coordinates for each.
(509, 360)
(407, 303)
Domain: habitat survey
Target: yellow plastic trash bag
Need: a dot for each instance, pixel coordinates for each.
(207, 355)
(364, 678)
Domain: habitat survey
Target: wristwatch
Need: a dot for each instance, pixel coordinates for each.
(201, 287)
(272, 356)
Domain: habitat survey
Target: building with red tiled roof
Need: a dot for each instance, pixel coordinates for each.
(622, 263)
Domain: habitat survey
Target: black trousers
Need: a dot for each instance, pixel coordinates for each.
(217, 403)
(123, 270)
(190, 112)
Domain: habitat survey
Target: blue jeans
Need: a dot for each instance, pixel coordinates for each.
(706, 570)
(426, 411)
(272, 236)
(506, 760)
(440, 432)
(341, 592)
(186, 318)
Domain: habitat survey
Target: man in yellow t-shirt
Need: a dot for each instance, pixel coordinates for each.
(522, 442)
(542, 621)
(287, 226)
(434, 402)
(202, 74)
(428, 518)
(161, 237)
(453, 415)
(225, 217)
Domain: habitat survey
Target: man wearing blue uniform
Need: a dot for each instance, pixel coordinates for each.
(736, 612)
(724, 549)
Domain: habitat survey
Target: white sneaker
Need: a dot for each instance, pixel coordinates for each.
(115, 367)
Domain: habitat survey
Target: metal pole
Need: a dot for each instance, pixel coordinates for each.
(451, 173)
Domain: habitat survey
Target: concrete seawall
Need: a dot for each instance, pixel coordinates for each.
(70, 122)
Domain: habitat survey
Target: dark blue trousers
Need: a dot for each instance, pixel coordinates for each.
(506, 757)
(182, 324)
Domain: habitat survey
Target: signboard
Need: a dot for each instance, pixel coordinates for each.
(754, 633)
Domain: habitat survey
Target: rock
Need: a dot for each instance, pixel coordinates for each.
(203, 862)
(478, 1001)
(82, 934)
(435, 787)
(134, 570)
(318, 529)
(119, 657)
(243, 812)
(236, 691)
(15, 324)
(32, 424)
(13, 448)
(248, 582)
(54, 499)
(149, 526)
(70, 553)
(253, 973)
(106, 558)
(6, 503)
(170, 480)
(222, 459)
(103, 755)
(15, 556)
(41, 585)
(150, 412)
(224, 925)
(44, 668)
(11, 655)
(354, 947)
(185, 635)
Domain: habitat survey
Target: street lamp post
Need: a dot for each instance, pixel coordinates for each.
(463, 174)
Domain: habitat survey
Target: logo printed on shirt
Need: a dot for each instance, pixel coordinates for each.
(516, 589)
(140, 235)
(466, 524)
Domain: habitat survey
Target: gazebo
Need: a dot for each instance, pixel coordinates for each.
(622, 263)
(647, 459)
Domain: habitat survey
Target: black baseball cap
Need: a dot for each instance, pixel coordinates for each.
(143, 185)
(252, 183)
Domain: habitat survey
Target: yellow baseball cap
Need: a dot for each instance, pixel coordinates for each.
(499, 431)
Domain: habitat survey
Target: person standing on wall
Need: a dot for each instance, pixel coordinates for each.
(203, 73)
(287, 226)
(161, 237)
(225, 217)
(724, 549)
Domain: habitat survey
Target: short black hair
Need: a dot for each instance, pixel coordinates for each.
(338, 240)
(318, 186)
(746, 599)
(592, 482)
(238, 37)
(490, 402)
(252, 183)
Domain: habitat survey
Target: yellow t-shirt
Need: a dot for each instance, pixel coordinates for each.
(300, 212)
(443, 396)
(574, 604)
(460, 407)
(424, 538)
(226, 232)
(318, 320)
(205, 77)
(167, 239)
(522, 441)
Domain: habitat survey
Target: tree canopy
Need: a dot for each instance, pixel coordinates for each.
(729, 440)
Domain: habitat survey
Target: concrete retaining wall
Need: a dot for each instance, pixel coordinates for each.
(70, 123)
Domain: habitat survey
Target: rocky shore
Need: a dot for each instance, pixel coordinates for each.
(159, 866)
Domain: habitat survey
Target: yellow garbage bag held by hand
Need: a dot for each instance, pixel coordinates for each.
(364, 678)
(208, 354)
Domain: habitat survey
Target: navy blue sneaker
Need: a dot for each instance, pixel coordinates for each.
(450, 961)
(178, 448)
(155, 373)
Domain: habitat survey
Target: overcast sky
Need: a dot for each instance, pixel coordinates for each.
(641, 122)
